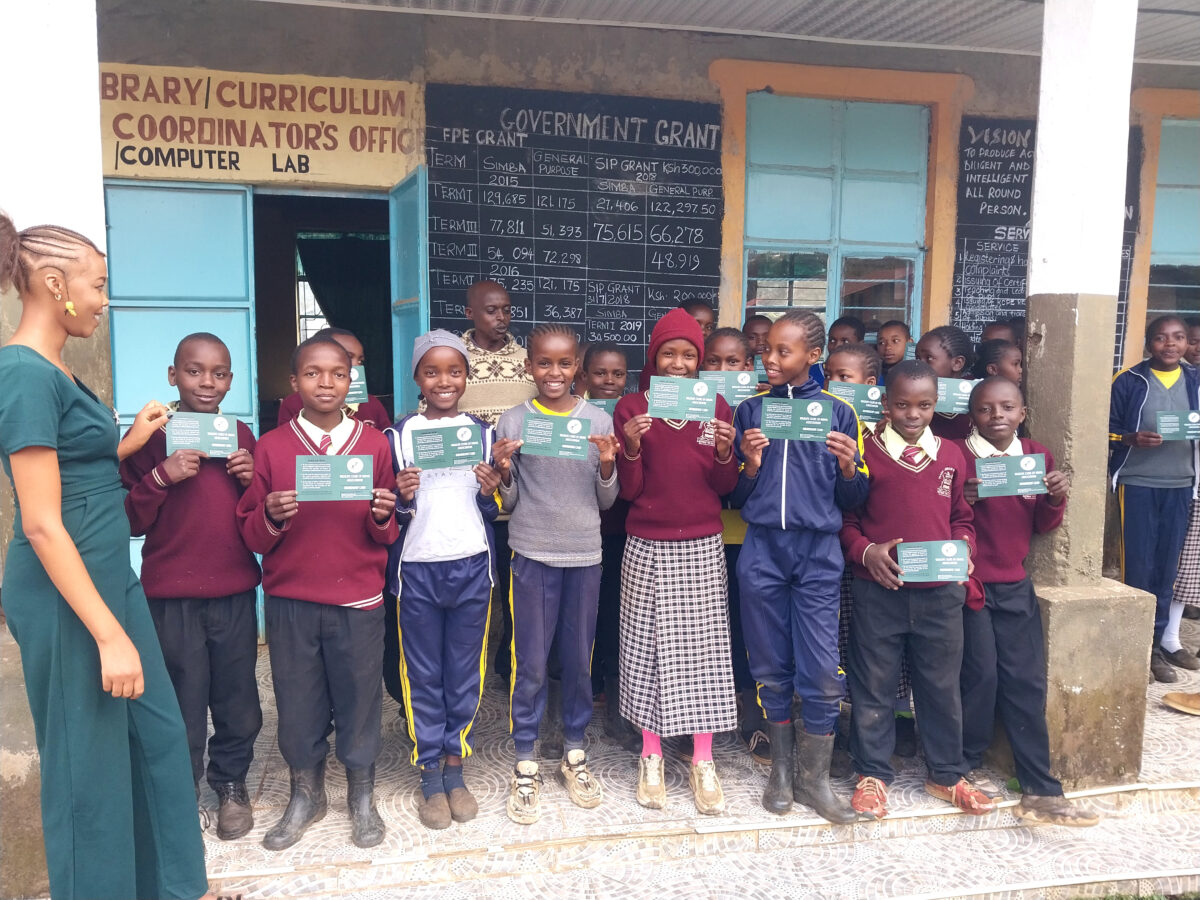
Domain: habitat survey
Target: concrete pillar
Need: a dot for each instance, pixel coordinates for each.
(1097, 631)
(52, 174)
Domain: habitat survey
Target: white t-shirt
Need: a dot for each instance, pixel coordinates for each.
(447, 523)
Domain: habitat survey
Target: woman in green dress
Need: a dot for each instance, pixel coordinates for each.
(118, 809)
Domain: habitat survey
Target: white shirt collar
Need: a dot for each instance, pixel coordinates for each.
(984, 448)
(894, 444)
(338, 435)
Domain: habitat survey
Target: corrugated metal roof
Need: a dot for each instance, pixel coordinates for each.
(1168, 30)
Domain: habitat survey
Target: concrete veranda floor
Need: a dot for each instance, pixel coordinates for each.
(1148, 842)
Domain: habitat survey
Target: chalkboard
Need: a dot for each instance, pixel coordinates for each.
(600, 212)
(995, 194)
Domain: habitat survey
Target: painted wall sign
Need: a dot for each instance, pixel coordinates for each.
(596, 211)
(995, 194)
(206, 125)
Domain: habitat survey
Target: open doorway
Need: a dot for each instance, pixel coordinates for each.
(319, 261)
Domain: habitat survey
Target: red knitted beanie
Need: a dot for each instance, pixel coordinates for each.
(676, 324)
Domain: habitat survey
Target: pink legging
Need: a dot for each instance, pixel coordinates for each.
(701, 745)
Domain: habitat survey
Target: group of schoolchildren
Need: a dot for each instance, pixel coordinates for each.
(699, 574)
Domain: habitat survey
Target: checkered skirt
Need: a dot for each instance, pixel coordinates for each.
(676, 674)
(1187, 579)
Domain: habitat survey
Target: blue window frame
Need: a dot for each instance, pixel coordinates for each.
(1175, 246)
(835, 207)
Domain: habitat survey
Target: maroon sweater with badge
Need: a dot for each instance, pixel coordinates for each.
(370, 412)
(675, 486)
(331, 552)
(1005, 525)
(924, 503)
(192, 548)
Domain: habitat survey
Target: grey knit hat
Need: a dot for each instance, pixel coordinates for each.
(439, 337)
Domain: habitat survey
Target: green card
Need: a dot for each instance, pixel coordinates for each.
(358, 385)
(681, 398)
(213, 434)
(796, 419)
(933, 560)
(1011, 476)
(607, 405)
(760, 371)
(443, 448)
(732, 385)
(1178, 426)
(334, 477)
(867, 399)
(563, 437)
(954, 395)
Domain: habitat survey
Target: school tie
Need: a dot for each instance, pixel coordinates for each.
(912, 456)
(326, 443)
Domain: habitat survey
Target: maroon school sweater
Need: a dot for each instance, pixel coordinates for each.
(330, 552)
(193, 547)
(675, 485)
(951, 427)
(925, 503)
(1005, 525)
(370, 413)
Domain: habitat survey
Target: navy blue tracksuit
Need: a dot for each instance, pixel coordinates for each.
(443, 621)
(790, 568)
(546, 599)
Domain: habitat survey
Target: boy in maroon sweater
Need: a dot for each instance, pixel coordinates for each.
(323, 571)
(200, 579)
(369, 412)
(1004, 661)
(916, 495)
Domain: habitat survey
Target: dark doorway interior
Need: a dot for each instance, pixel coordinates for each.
(318, 261)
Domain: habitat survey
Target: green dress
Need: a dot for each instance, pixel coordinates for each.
(118, 808)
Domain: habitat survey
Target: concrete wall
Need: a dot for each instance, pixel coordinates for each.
(385, 45)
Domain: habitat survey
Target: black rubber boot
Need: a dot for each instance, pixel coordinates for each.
(777, 798)
(813, 755)
(307, 804)
(551, 731)
(366, 827)
(235, 817)
(616, 727)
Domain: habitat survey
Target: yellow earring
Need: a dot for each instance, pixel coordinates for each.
(70, 308)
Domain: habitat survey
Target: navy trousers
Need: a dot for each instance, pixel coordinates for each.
(546, 599)
(210, 647)
(1004, 670)
(789, 584)
(606, 663)
(443, 613)
(742, 679)
(924, 624)
(327, 667)
(1153, 526)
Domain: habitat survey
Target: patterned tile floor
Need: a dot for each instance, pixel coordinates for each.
(1149, 840)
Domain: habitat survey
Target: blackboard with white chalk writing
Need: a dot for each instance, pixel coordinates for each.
(995, 195)
(600, 212)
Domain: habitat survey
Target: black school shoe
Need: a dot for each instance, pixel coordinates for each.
(1160, 669)
(1191, 612)
(1182, 659)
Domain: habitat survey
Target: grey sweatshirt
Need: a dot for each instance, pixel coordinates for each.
(556, 503)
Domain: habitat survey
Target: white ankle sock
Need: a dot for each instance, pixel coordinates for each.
(1170, 638)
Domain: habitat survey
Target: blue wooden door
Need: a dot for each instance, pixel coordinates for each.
(181, 260)
(409, 224)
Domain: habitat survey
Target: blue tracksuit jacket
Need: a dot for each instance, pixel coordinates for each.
(1129, 389)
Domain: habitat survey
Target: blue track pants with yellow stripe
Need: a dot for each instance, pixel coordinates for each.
(546, 599)
(790, 589)
(1153, 525)
(443, 615)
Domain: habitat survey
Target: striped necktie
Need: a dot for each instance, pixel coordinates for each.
(326, 443)
(912, 456)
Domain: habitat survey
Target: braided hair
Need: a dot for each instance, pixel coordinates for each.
(954, 341)
(871, 364)
(22, 253)
(809, 323)
(991, 352)
(548, 329)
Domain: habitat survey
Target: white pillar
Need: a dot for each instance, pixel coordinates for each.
(1082, 144)
(50, 155)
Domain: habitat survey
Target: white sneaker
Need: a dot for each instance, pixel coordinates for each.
(582, 786)
(524, 795)
(706, 788)
(651, 789)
